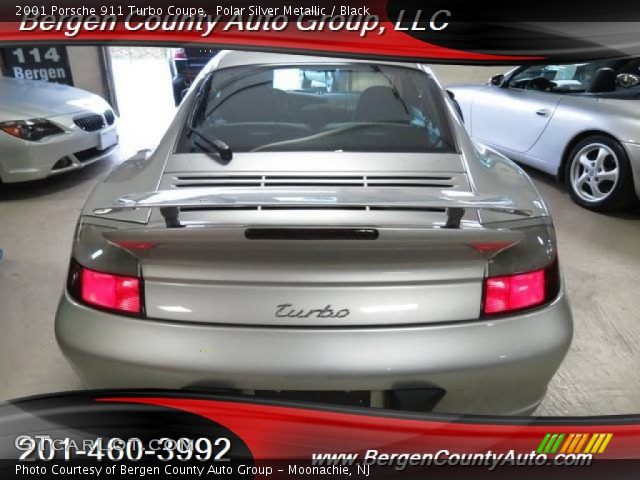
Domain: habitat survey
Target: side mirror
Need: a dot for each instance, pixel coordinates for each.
(496, 80)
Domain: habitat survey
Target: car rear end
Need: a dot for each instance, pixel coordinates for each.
(380, 305)
(371, 278)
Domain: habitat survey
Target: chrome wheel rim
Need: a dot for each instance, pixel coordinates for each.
(595, 172)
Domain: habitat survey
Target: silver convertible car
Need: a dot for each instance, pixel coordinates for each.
(579, 122)
(340, 239)
(47, 129)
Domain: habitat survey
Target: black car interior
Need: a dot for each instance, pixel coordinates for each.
(380, 104)
(613, 79)
(604, 81)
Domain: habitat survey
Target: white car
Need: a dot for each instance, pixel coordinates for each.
(578, 122)
(48, 128)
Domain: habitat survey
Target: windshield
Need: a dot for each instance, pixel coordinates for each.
(357, 107)
(570, 78)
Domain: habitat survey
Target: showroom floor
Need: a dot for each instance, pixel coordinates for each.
(600, 258)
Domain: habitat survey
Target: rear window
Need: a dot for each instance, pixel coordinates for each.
(360, 108)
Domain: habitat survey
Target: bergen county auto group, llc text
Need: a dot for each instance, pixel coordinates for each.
(204, 24)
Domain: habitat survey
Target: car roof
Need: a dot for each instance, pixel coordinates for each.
(233, 58)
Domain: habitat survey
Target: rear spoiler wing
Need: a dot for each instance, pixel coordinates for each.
(170, 202)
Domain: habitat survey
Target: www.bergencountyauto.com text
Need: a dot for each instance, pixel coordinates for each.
(489, 459)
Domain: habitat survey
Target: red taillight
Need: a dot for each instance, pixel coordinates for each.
(515, 292)
(110, 291)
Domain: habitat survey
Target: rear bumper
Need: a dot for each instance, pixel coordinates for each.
(486, 367)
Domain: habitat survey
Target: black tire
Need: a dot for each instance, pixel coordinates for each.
(590, 185)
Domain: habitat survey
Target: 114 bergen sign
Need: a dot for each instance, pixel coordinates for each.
(49, 64)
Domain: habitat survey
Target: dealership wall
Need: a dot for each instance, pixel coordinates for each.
(454, 74)
(87, 72)
(86, 69)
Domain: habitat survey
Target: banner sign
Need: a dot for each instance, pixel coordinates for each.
(454, 31)
(108, 434)
(47, 63)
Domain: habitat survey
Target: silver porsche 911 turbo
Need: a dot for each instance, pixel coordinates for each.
(579, 122)
(316, 228)
(48, 129)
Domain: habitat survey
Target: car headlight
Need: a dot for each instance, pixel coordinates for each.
(32, 130)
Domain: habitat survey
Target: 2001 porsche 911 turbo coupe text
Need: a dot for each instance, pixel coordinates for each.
(47, 129)
(311, 227)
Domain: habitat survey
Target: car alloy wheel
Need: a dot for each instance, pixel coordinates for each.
(595, 172)
(598, 175)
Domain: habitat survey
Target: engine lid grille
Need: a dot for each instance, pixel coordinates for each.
(456, 181)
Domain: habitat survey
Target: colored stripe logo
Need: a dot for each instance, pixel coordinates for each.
(574, 443)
